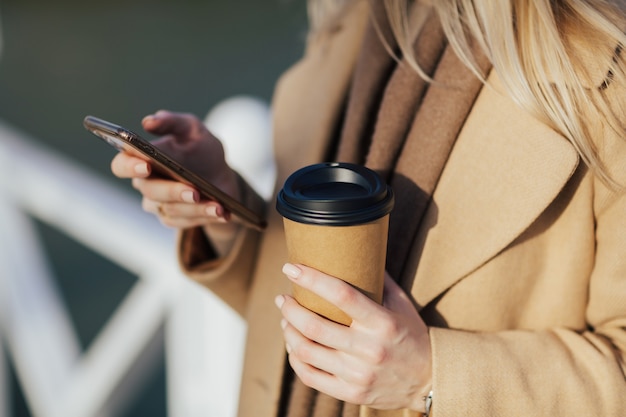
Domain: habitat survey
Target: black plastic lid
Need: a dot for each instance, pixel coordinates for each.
(335, 194)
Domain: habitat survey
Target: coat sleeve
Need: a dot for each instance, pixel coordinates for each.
(228, 276)
(556, 371)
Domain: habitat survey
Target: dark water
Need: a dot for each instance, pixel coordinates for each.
(120, 60)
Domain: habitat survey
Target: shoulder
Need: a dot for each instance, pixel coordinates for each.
(326, 52)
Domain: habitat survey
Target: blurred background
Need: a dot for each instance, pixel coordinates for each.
(120, 60)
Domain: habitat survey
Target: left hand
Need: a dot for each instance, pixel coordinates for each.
(382, 360)
(184, 138)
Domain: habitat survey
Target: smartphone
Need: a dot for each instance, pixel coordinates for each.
(125, 140)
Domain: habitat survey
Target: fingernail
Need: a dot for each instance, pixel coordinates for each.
(279, 301)
(288, 348)
(292, 271)
(141, 168)
(215, 210)
(283, 324)
(148, 119)
(188, 196)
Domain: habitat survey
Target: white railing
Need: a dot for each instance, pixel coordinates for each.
(201, 337)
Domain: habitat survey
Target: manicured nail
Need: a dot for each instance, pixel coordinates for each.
(288, 348)
(292, 271)
(150, 118)
(211, 211)
(141, 168)
(188, 196)
(279, 301)
(283, 324)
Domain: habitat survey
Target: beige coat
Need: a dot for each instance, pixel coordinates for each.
(521, 257)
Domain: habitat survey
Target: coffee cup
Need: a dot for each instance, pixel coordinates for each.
(336, 218)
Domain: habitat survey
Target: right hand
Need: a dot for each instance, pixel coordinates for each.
(186, 139)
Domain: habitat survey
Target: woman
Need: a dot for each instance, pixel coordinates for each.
(501, 131)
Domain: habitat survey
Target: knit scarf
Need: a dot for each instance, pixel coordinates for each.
(404, 128)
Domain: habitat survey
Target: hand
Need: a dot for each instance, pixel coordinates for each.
(383, 360)
(185, 139)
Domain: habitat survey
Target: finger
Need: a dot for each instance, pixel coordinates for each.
(124, 165)
(321, 381)
(313, 326)
(339, 293)
(182, 215)
(188, 222)
(335, 362)
(312, 376)
(307, 351)
(204, 212)
(181, 125)
(166, 191)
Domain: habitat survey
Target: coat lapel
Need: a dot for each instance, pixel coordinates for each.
(505, 169)
(322, 80)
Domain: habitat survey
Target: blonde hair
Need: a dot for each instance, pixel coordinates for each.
(538, 49)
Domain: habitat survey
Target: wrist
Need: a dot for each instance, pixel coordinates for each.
(422, 400)
(423, 389)
(222, 236)
(428, 403)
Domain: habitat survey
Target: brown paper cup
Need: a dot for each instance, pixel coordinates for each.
(356, 254)
(336, 219)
